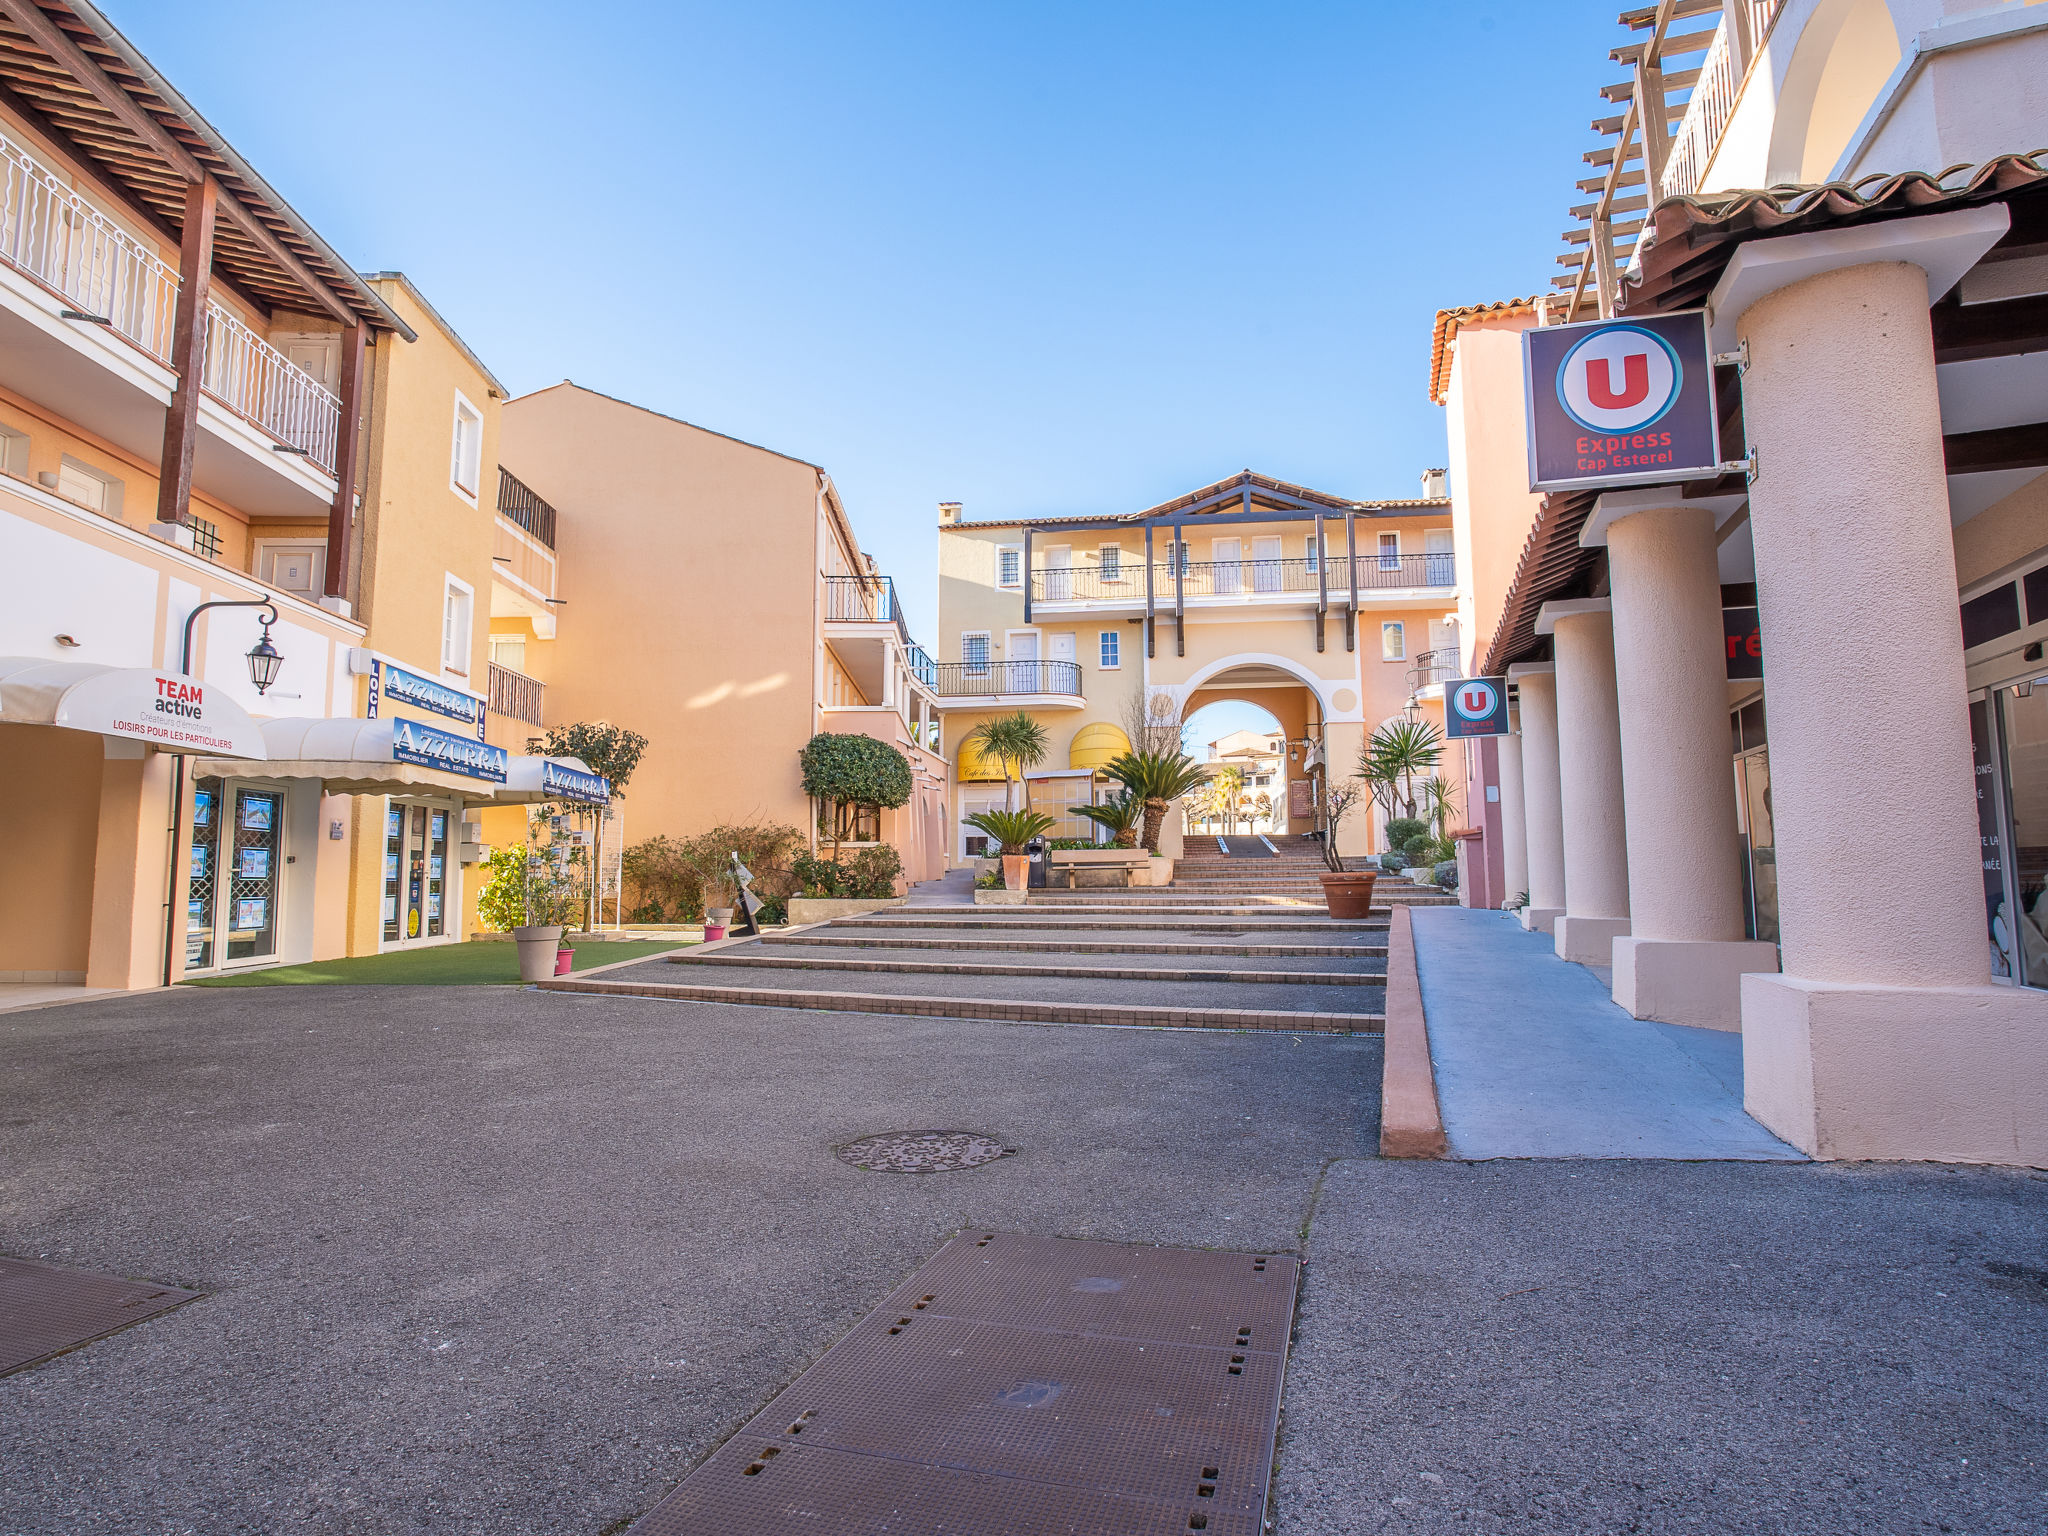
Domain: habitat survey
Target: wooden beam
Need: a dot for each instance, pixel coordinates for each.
(188, 355)
(1180, 597)
(1149, 615)
(1977, 453)
(1026, 574)
(347, 453)
(1656, 130)
(1968, 332)
(1351, 562)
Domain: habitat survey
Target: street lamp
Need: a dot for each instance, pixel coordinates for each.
(264, 658)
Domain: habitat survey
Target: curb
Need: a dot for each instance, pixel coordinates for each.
(1411, 1121)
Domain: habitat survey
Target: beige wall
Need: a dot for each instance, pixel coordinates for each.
(49, 825)
(1493, 508)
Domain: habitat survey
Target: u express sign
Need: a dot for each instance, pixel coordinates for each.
(1620, 402)
(1476, 706)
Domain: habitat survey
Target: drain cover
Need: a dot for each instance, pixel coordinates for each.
(45, 1310)
(921, 1151)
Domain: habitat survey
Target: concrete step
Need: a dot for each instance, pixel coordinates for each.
(1271, 970)
(1136, 942)
(925, 919)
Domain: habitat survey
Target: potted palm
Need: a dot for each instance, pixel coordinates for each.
(1157, 779)
(1346, 893)
(1012, 829)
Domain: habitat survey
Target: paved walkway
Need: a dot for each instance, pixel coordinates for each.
(1534, 1059)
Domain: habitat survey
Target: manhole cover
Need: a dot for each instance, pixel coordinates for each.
(921, 1151)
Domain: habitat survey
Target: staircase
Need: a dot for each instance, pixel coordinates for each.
(1287, 877)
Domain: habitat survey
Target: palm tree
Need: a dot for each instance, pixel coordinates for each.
(1442, 799)
(1121, 814)
(1228, 787)
(1017, 742)
(1013, 829)
(1158, 779)
(1397, 753)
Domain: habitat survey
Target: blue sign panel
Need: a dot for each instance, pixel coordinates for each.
(405, 687)
(1476, 706)
(1620, 402)
(412, 742)
(558, 781)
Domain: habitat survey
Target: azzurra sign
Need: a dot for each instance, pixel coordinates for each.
(1620, 402)
(393, 682)
(558, 781)
(412, 742)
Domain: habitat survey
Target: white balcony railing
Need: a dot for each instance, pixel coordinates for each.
(53, 235)
(1712, 101)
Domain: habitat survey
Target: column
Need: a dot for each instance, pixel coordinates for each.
(129, 877)
(1514, 826)
(1542, 798)
(1686, 950)
(1884, 1038)
(1589, 781)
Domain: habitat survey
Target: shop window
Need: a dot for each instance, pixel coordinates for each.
(1393, 642)
(1991, 614)
(1010, 565)
(203, 877)
(465, 472)
(457, 609)
(253, 877)
(2016, 845)
(1112, 648)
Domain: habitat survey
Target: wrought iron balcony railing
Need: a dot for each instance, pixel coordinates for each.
(997, 679)
(1239, 578)
(520, 506)
(1437, 666)
(516, 695)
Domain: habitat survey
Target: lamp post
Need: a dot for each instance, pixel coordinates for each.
(264, 662)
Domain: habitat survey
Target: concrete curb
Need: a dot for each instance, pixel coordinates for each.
(1411, 1123)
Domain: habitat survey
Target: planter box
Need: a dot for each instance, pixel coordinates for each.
(999, 898)
(821, 909)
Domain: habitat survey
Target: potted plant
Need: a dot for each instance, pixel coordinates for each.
(1156, 780)
(1346, 893)
(550, 902)
(716, 921)
(1012, 829)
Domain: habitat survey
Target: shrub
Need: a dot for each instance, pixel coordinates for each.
(1012, 829)
(533, 882)
(988, 882)
(870, 875)
(501, 904)
(1403, 830)
(1446, 874)
(1393, 863)
(1072, 842)
(845, 771)
(684, 876)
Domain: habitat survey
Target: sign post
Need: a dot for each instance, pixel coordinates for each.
(1475, 706)
(1621, 402)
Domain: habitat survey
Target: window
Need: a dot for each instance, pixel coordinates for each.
(88, 487)
(13, 453)
(1390, 551)
(1010, 565)
(1393, 642)
(509, 651)
(1315, 555)
(1112, 648)
(466, 468)
(974, 654)
(458, 604)
(1112, 562)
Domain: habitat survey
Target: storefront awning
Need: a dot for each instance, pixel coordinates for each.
(367, 757)
(168, 710)
(530, 780)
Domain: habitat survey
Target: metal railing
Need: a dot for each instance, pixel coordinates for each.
(991, 679)
(1241, 578)
(861, 600)
(921, 665)
(1437, 666)
(516, 695)
(1713, 94)
(518, 504)
(53, 235)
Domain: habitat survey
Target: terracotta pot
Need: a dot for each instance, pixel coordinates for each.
(1016, 871)
(564, 959)
(537, 947)
(1348, 894)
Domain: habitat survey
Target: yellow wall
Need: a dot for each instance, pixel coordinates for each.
(49, 821)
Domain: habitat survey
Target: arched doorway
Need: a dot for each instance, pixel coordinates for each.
(1264, 723)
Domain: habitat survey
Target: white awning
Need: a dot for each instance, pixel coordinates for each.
(349, 757)
(529, 780)
(168, 710)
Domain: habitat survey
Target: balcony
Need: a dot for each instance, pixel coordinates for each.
(518, 505)
(76, 279)
(1253, 580)
(1433, 668)
(515, 696)
(1004, 680)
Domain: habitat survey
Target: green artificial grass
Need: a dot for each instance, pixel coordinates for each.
(475, 964)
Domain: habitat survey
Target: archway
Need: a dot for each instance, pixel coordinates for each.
(1245, 745)
(1265, 721)
(1846, 52)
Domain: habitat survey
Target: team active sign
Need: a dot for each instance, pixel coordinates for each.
(1476, 706)
(1620, 402)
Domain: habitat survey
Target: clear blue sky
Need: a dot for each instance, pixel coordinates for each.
(1040, 259)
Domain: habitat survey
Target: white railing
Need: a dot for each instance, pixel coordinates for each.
(54, 236)
(257, 382)
(1713, 96)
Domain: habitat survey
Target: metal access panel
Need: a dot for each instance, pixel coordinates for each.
(1023, 1386)
(45, 1310)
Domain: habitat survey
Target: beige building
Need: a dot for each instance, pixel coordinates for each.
(713, 597)
(1332, 614)
(1259, 760)
(1782, 737)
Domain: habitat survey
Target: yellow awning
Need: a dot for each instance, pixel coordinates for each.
(1097, 745)
(972, 767)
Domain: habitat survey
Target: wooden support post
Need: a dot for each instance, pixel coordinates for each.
(1025, 575)
(347, 449)
(1322, 580)
(1656, 129)
(1150, 652)
(188, 352)
(1603, 266)
(1351, 560)
(1180, 600)
(1741, 45)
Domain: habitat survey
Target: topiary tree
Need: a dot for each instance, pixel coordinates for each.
(609, 749)
(844, 773)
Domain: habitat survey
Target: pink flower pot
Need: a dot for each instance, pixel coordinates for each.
(564, 958)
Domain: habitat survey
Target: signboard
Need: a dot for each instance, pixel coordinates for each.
(1301, 799)
(1620, 402)
(1475, 706)
(1745, 642)
(170, 711)
(390, 681)
(412, 742)
(561, 782)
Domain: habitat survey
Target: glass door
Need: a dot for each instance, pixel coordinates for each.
(2023, 928)
(437, 869)
(203, 882)
(394, 861)
(415, 869)
(252, 877)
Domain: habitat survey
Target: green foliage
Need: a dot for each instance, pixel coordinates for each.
(855, 770)
(1403, 830)
(1157, 779)
(1017, 742)
(1013, 829)
(1446, 874)
(988, 882)
(1441, 798)
(611, 750)
(1395, 755)
(501, 904)
(681, 877)
(870, 875)
(1393, 863)
(534, 884)
(1122, 814)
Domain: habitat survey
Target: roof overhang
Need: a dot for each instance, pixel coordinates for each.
(166, 710)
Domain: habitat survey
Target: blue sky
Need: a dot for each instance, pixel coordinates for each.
(1044, 259)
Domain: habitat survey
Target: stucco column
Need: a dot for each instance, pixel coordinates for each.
(1542, 802)
(1589, 779)
(1884, 1037)
(1684, 956)
(1514, 828)
(125, 948)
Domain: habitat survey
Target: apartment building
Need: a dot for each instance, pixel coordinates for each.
(241, 662)
(1332, 614)
(713, 597)
(1782, 738)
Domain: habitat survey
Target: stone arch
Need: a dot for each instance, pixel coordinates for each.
(1846, 52)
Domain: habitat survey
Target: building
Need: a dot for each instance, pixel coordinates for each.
(1259, 759)
(712, 596)
(1332, 614)
(240, 713)
(1782, 734)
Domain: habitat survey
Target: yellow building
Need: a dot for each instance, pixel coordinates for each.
(1332, 614)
